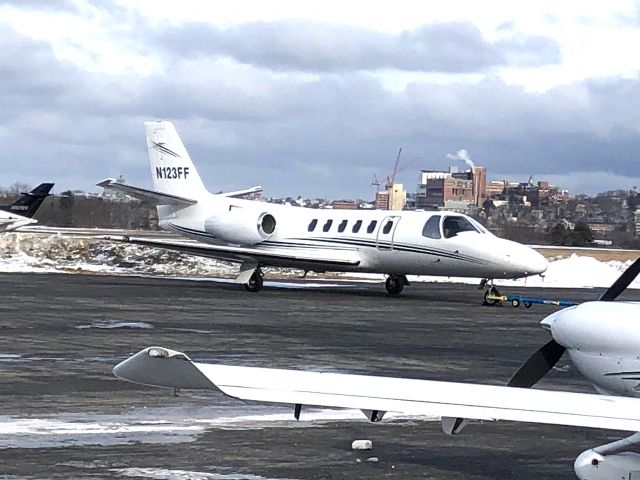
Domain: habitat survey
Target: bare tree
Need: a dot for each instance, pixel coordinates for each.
(17, 188)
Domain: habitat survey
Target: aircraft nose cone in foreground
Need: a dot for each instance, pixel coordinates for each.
(557, 319)
(523, 261)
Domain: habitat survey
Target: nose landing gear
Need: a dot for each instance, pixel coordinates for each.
(491, 295)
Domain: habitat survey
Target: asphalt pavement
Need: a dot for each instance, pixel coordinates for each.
(64, 415)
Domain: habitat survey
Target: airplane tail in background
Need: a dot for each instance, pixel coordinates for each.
(28, 203)
(172, 170)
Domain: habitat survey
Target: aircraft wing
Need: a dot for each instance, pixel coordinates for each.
(167, 368)
(266, 256)
(145, 195)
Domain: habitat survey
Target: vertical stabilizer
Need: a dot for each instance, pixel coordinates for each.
(28, 203)
(172, 170)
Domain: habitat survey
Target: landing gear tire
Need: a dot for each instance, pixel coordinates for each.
(493, 292)
(255, 282)
(394, 284)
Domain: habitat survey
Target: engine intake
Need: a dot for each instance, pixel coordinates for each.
(241, 226)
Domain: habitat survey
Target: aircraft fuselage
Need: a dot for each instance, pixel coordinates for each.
(391, 242)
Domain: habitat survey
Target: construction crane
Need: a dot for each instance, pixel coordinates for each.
(389, 180)
(375, 182)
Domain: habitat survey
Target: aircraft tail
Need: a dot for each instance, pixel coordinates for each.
(172, 170)
(28, 203)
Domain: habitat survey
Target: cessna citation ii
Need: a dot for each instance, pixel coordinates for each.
(600, 337)
(257, 234)
(20, 212)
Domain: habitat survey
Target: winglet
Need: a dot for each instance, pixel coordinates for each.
(161, 367)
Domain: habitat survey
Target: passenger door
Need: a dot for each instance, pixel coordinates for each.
(386, 232)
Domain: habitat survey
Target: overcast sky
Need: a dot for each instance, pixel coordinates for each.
(314, 98)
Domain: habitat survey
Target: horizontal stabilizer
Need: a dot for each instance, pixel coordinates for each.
(240, 193)
(159, 366)
(148, 196)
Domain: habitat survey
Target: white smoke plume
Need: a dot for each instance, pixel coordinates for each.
(462, 155)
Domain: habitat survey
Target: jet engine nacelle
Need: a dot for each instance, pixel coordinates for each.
(590, 465)
(241, 226)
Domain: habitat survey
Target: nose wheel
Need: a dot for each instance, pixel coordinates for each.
(395, 283)
(255, 281)
(493, 297)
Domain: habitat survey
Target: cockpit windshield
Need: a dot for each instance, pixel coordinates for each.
(478, 225)
(431, 229)
(453, 225)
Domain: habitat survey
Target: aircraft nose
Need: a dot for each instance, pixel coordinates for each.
(587, 463)
(563, 325)
(525, 260)
(549, 322)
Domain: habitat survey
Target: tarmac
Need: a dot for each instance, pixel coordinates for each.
(64, 415)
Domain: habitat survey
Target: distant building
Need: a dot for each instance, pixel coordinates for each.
(479, 178)
(382, 201)
(602, 230)
(637, 223)
(495, 189)
(394, 198)
(438, 188)
(397, 197)
(344, 204)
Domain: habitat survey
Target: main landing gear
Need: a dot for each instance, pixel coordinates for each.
(255, 281)
(395, 283)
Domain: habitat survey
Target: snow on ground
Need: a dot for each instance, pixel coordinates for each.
(28, 253)
(573, 272)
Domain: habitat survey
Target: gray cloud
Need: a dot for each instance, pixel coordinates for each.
(325, 136)
(302, 45)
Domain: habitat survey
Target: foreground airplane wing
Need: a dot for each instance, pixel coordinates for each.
(266, 256)
(167, 368)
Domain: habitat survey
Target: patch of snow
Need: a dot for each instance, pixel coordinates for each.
(114, 324)
(30, 253)
(173, 474)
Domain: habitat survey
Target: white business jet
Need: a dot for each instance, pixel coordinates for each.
(601, 338)
(257, 234)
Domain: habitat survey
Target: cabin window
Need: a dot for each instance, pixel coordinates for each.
(372, 226)
(342, 226)
(387, 227)
(452, 226)
(356, 226)
(312, 225)
(431, 229)
(327, 226)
